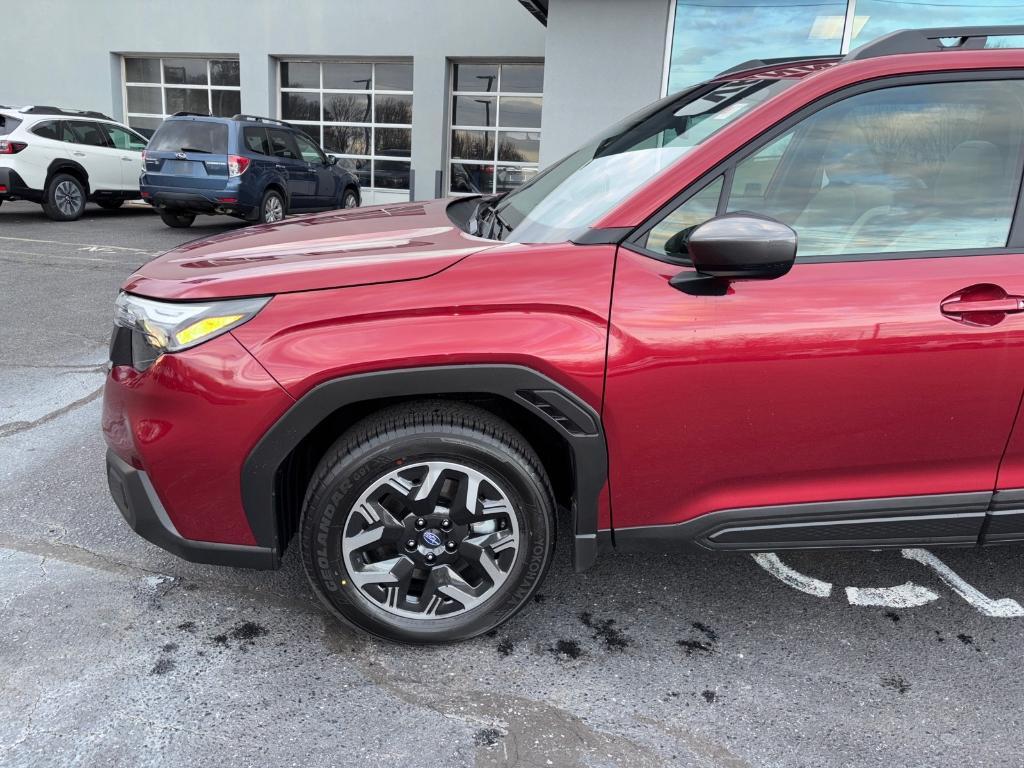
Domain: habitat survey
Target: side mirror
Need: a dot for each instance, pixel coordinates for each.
(736, 246)
(332, 160)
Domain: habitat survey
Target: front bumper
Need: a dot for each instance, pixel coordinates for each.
(135, 497)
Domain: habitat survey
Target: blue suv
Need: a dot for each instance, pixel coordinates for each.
(254, 168)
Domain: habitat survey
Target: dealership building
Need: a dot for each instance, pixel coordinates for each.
(426, 97)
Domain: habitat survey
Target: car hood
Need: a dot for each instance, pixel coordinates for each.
(342, 248)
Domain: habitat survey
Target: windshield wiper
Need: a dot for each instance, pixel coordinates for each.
(489, 210)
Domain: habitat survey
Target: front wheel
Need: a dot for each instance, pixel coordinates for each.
(177, 220)
(427, 523)
(350, 199)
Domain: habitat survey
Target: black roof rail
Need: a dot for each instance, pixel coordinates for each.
(759, 63)
(40, 110)
(930, 40)
(192, 114)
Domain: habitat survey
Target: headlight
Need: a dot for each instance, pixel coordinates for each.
(163, 326)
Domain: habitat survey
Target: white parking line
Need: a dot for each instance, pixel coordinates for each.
(7, 251)
(771, 563)
(1002, 608)
(909, 595)
(82, 246)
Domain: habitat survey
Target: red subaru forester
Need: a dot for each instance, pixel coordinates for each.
(783, 309)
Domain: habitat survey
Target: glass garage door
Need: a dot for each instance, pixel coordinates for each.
(360, 111)
(155, 87)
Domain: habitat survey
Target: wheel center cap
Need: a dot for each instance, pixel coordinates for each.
(432, 537)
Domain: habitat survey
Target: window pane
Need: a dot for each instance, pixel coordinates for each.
(394, 109)
(876, 17)
(348, 76)
(46, 130)
(476, 77)
(185, 71)
(187, 100)
(393, 142)
(256, 140)
(282, 143)
(474, 179)
(798, 28)
(912, 168)
(522, 78)
(300, 74)
(474, 110)
(473, 145)
(300, 106)
(519, 147)
(698, 209)
(224, 72)
(394, 77)
(508, 178)
(520, 112)
(226, 103)
(142, 70)
(145, 125)
(348, 108)
(310, 153)
(121, 139)
(204, 135)
(389, 174)
(347, 141)
(147, 100)
(81, 132)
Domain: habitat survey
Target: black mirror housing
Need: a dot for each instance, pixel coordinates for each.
(332, 160)
(736, 246)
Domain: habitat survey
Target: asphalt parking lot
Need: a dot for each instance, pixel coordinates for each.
(115, 653)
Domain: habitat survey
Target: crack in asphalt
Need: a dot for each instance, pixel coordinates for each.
(17, 427)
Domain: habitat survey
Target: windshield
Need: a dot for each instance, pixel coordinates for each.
(191, 136)
(573, 194)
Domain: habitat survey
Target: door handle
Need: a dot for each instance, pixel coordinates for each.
(78, 154)
(967, 306)
(128, 159)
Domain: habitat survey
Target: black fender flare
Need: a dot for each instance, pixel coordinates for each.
(576, 421)
(63, 164)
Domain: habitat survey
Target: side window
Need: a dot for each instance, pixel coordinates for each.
(256, 140)
(122, 139)
(908, 168)
(283, 144)
(309, 150)
(668, 236)
(83, 132)
(48, 129)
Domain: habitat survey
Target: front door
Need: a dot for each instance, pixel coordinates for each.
(129, 146)
(868, 395)
(317, 165)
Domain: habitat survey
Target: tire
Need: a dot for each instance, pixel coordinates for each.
(177, 220)
(272, 207)
(110, 205)
(501, 551)
(350, 199)
(64, 199)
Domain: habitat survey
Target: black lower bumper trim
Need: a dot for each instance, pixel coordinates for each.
(16, 187)
(135, 497)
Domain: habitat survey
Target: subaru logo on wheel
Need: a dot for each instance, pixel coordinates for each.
(432, 538)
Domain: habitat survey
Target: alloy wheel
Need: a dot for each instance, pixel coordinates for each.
(68, 198)
(430, 540)
(273, 209)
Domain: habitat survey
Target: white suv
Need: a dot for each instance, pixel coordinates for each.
(62, 158)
